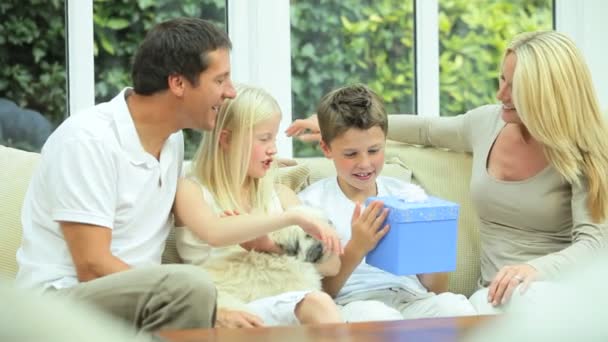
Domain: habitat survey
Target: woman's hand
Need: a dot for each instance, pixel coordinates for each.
(365, 227)
(306, 130)
(227, 318)
(507, 280)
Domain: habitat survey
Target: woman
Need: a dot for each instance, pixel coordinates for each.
(539, 166)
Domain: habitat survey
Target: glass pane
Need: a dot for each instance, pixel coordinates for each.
(33, 72)
(334, 43)
(120, 27)
(473, 36)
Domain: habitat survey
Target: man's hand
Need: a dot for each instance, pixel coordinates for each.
(507, 280)
(306, 130)
(227, 318)
(365, 227)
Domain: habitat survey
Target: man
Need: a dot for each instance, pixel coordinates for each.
(97, 211)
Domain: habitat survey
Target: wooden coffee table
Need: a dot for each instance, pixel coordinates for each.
(428, 329)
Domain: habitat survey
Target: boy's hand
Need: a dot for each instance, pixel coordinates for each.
(306, 130)
(365, 226)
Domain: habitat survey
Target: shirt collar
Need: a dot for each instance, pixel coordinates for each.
(127, 134)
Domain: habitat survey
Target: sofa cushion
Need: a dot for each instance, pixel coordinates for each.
(447, 174)
(17, 169)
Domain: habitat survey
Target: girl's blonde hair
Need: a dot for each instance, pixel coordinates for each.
(223, 169)
(554, 96)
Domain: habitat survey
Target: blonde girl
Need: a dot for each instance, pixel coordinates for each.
(230, 175)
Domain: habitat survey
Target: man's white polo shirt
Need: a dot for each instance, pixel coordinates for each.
(94, 170)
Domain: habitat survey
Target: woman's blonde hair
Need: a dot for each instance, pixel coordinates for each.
(222, 169)
(554, 96)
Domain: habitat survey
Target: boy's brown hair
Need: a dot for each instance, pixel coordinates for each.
(352, 106)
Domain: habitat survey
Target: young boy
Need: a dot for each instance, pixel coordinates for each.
(353, 126)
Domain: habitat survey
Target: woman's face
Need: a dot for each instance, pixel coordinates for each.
(509, 113)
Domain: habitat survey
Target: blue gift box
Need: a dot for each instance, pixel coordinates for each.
(421, 239)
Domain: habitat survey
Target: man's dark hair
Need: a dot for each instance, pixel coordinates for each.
(175, 47)
(352, 106)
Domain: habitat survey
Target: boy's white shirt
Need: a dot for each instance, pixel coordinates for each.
(327, 195)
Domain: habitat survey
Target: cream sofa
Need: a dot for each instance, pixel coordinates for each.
(442, 173)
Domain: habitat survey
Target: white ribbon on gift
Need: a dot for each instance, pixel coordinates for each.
(411, 193)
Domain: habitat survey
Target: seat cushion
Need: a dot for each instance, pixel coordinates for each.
(17, 169)
(447, 174)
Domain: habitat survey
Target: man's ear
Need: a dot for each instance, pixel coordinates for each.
(225, 139)
(177, 84)
(326, 149)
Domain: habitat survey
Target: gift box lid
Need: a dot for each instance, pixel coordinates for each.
(431, 209)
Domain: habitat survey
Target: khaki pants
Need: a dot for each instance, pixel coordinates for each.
(153, 298)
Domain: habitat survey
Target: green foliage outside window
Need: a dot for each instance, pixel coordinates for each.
(333, 43)
(340, 42)
(32, 56)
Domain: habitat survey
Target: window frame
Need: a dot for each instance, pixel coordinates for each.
(260, 31)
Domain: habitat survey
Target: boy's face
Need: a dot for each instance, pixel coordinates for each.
(358, 156)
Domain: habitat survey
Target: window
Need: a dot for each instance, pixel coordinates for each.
(33, 72)
(119, 29)
(473, 36)
(334, 43)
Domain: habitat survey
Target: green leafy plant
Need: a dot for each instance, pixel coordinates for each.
(333, 43)
(337, 43)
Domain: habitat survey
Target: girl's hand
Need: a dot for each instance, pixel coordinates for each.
(365, 227)
(507, 279)
(262, 244)
(227, 318)
(227, 213)
(321, 231)
(306, 130)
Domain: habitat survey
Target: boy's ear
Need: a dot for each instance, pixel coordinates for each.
(326, 149)
(176, 84)
(225, 139)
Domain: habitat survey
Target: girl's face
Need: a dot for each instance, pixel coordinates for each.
(263, 146)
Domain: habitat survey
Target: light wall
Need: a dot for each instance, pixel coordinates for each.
(586, 22)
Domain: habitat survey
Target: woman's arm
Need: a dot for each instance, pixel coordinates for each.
(588, 238)
(453, 132)
(191, 210)
(446, 132)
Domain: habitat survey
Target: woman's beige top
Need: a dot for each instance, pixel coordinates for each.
(542, 220)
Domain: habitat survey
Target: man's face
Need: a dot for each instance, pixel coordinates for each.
(214, 85)
(358, 156)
